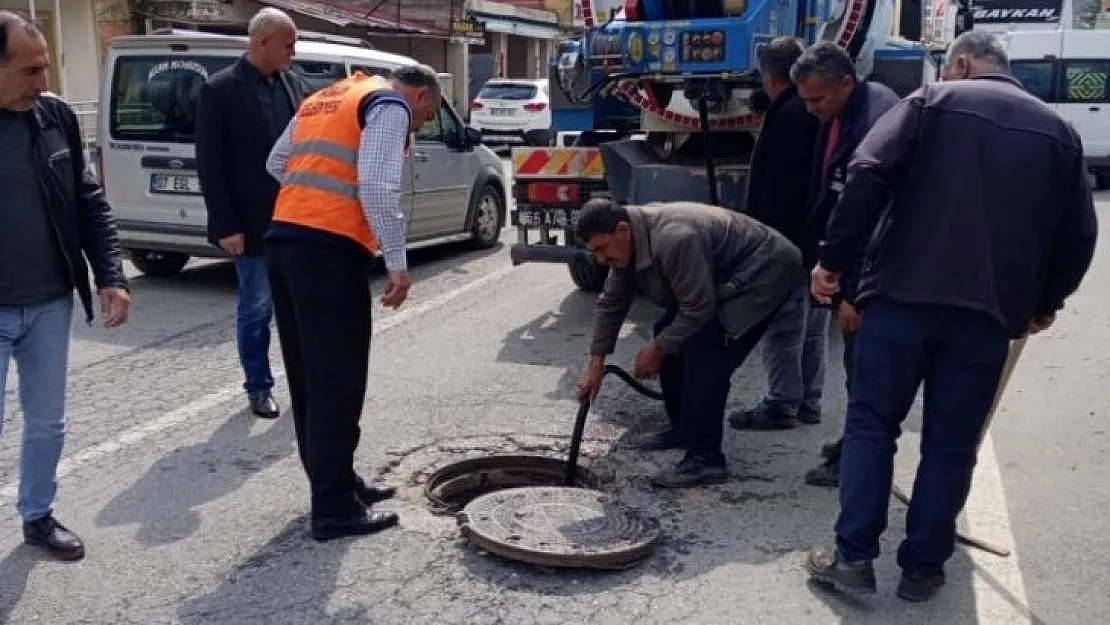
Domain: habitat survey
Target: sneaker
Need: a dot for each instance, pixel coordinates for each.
(762, 417)
(809, 416)
(918, 587)
(693, 470)
(825, 567)
(831, 451)
(826, 474)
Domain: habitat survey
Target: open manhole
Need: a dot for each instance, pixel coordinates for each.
(517, 507)
(452, 487)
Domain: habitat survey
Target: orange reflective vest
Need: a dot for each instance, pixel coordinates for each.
(319, 189)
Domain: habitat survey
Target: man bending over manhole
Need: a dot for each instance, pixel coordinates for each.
(719, 276)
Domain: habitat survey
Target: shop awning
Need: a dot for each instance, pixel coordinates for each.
(522, 29)
(347, 15)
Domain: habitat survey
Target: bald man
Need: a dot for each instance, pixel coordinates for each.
(242, 111)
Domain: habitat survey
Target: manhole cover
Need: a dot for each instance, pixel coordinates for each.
(559, 526)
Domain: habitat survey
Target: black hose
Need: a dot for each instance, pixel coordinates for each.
(584, 409)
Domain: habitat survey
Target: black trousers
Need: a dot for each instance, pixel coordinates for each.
(321, 297)
(696, 382)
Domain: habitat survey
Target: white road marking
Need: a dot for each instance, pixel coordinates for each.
(195, 408)
(998, 584)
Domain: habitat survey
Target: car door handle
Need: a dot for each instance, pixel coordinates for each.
(1095, 109)
(420, 157)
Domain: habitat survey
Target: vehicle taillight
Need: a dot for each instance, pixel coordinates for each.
(553, 193)
(535, 107)
(476, 104)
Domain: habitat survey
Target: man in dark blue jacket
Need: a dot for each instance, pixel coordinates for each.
(983, 223)
(52, 219)
(847, 109)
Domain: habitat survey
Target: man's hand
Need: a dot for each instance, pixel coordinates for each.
(396, 289)
(1040, 324)
(115, 303)
(234, 244)
(847, 317)
(824, 284)
(648, 362)
(590, 384)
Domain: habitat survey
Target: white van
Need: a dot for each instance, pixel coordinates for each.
(454, 188)
(1070, 70)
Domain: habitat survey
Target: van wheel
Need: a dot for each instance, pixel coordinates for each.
(587, 275)
(158, 264)
(489, 218)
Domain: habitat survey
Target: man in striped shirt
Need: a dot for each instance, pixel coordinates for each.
(340, 163)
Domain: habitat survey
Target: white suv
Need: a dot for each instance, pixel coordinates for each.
(512, 109)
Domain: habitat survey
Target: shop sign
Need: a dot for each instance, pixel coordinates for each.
(468, 30)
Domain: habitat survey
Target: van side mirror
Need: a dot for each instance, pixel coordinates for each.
(472, 137)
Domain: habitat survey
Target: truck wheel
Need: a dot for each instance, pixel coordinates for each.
(1102, 179)
(588, 276)
(158, 264)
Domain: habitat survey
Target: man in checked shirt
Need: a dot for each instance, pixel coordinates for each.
(339, 163)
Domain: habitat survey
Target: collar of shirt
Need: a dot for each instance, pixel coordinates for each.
(252, 70)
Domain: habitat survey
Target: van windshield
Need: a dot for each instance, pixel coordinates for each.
(154, 98)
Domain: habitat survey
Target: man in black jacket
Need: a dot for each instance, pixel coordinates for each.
(53, 217)
(983, 224)
(241, 112)
(779, 181)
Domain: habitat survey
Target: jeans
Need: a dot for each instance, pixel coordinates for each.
(36, 338)
(958, 354)
(696, 382)
(322, 304)
(253, 316)
(794, 349)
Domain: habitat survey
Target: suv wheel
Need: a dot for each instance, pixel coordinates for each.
(587, 275)
(489, 218)
(158, 264)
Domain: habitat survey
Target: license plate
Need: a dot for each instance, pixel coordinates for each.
(501, 112)
(174, 184)
(536, 217)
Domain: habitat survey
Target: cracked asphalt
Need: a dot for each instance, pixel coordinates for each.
(193, 511)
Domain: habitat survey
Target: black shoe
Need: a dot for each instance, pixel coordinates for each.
(693, 470)
(831, 451)
(658, 441)
(827, 474)
(358, 524)
(809, 416)
(761, 418)
(264, 406)
(825, 567)
(370, 494)
(916, 587)
(52, 536)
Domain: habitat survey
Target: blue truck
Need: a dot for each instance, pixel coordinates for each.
(662, 99)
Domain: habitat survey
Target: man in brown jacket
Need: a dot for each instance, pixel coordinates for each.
(720, 276)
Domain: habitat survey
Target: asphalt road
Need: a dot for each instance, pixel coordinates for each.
(194, 511)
